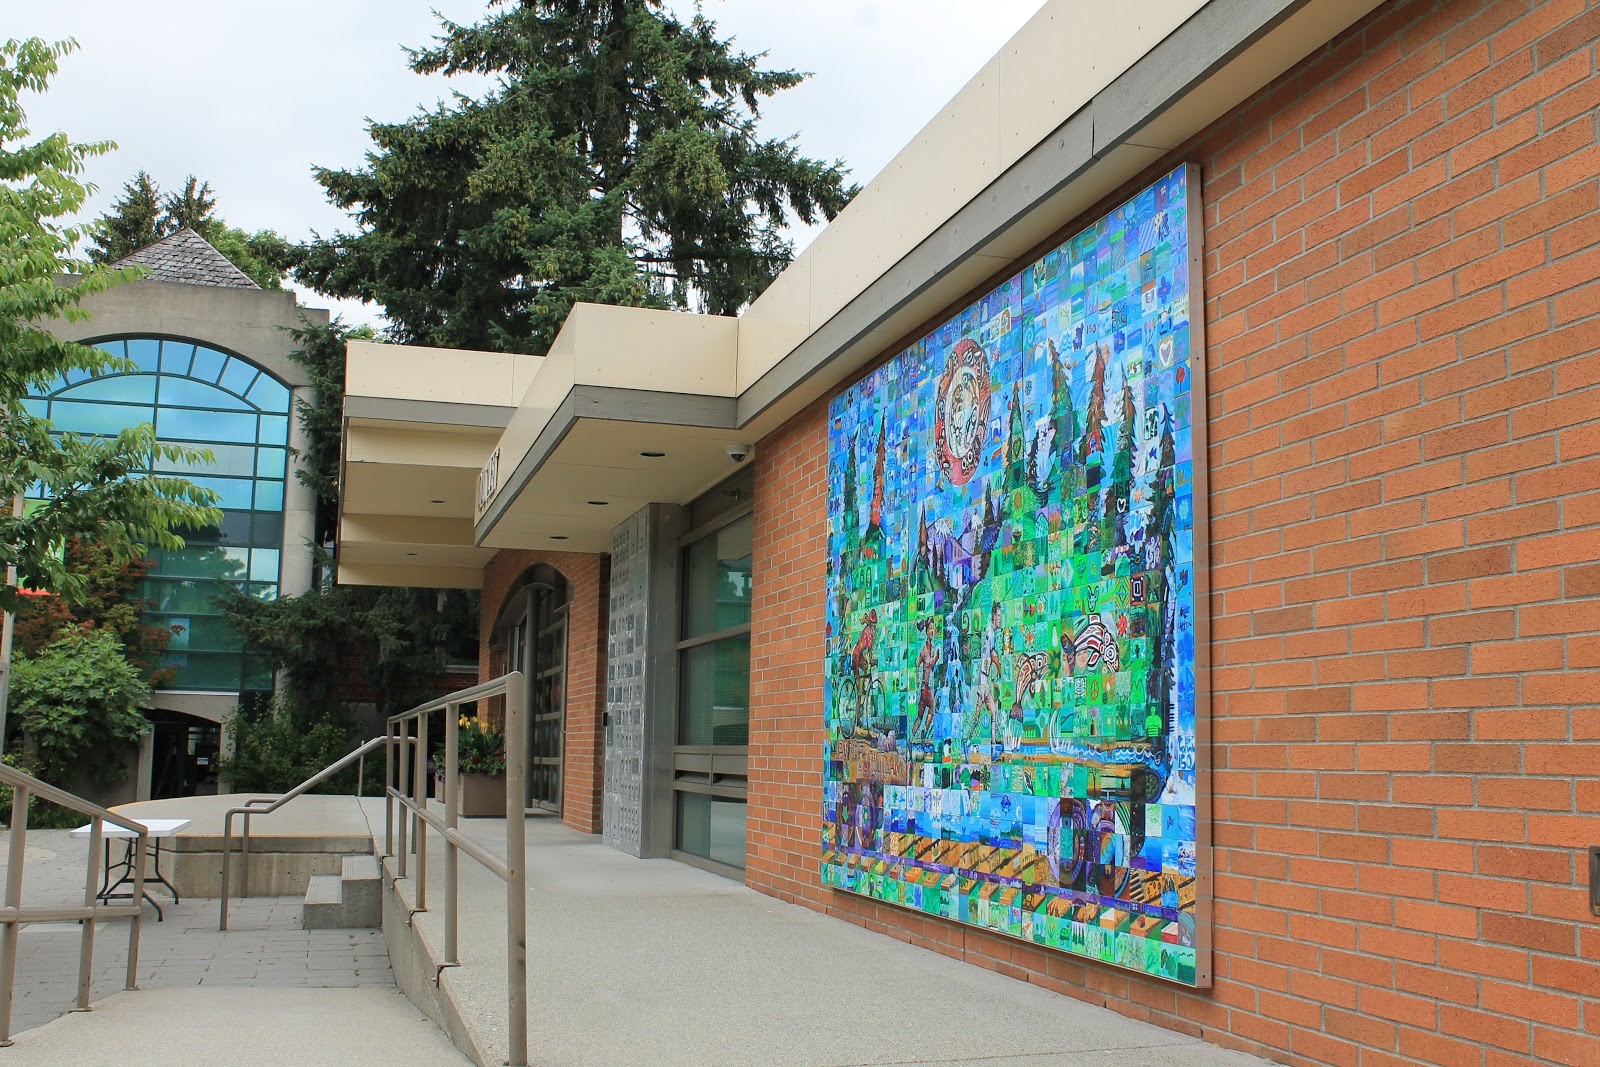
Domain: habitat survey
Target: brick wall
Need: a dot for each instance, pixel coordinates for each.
(584, 755)
(1402, 246)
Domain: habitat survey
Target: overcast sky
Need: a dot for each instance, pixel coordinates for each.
(249, 95)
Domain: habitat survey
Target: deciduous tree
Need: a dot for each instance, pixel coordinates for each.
(86, 485)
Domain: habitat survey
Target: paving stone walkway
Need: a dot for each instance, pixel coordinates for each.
(263, 946)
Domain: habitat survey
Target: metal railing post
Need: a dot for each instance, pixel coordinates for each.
(142, 844)
(420, 759)
(403, 787)
(244, 856)
(388, 780)
(452, 800)
(8, 936)
(97, 831)
(517, 867)
(222, 896)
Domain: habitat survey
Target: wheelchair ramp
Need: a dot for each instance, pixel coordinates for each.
(263, 1027)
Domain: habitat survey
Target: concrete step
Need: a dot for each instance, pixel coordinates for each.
(349, 900)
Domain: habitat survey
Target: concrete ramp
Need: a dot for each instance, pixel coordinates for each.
(263, 1027)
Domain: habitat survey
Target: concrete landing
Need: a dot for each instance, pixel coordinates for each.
(307, 837)
(652, 961)
(262, 1027)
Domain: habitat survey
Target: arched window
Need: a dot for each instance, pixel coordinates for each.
(198, 396)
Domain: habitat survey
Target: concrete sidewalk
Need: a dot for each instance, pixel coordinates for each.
(651, 961)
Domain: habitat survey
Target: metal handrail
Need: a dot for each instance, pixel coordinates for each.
(405, 782)
(248, 808)
(24, 787)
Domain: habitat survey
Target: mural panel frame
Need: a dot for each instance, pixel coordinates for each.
(1016, 680)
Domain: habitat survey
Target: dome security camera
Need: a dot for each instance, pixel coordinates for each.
(739, 452)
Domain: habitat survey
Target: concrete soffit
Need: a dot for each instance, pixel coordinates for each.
(1217, 57)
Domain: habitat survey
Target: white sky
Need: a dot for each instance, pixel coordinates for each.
(249, 95)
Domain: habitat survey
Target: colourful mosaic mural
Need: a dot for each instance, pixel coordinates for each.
(1011, 632)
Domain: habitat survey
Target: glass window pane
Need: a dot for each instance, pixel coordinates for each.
(274, 429)
(270, 462)
(39, 409)
(236, 460)
(74, 417)
(264, 565)
(176, 356)
(177, 424)
(189, 393)
(231, 492)
(714, 693)
(268, 529)
(712, 827)
(716, 580)
(201, 670)
(238, 376)
(269, 394)
(145, 353)
(208, 363)
(235, 527)
(180, 595)
(119, 388)
(269, 496)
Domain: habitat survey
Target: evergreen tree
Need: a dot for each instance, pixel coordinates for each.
(132, 222)
(616, 160)
(144, 215)
(195, 208)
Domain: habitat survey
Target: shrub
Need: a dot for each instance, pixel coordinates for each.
(278, 748)
(78, 703)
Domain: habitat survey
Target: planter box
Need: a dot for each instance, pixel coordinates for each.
(483, 796)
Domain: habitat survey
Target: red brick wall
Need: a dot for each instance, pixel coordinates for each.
(587, 578)
(1402, 246)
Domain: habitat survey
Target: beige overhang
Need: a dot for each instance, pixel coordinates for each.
(418, 423)
(1084, 98)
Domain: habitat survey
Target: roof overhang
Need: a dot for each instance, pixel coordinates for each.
(418, 423)
(1025, 148)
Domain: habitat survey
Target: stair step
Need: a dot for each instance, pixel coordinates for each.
(360, 869)
(350, 900)
(325, 889)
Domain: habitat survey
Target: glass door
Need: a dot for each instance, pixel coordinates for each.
(547, 697)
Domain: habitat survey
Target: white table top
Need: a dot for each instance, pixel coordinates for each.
(157, 828)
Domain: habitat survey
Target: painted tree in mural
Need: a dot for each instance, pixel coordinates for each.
(615, 160)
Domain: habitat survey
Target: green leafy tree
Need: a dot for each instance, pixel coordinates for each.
(134, 220)
(615, 161)
(78, 702)
(87, 489)
(108, 601)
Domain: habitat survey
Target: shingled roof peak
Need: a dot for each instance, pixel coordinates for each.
(186, 258)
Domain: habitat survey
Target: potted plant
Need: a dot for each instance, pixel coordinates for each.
(481, 767)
